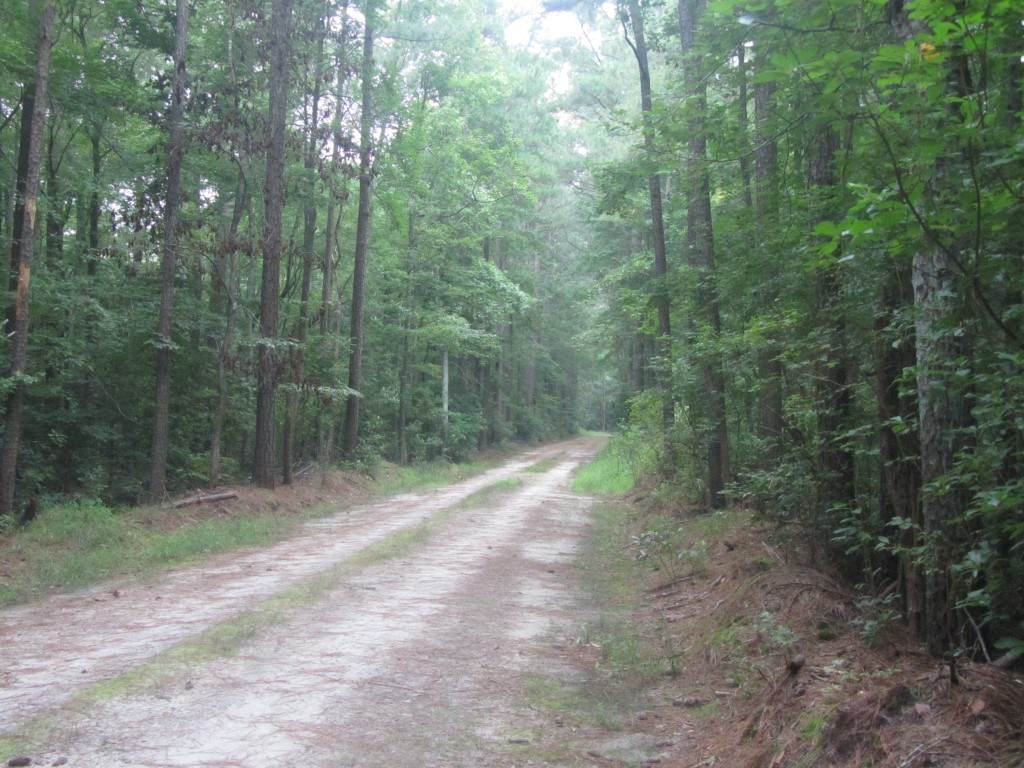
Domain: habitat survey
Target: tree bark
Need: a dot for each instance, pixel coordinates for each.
(402, 418)
(55, 223)
(743, 124)
(263, 473)
(327, 305)
(942, 415)
(22, 248)
(350, 443)
(941, 341)
(168, 272)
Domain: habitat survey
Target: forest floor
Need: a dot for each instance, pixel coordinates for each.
(501, 621)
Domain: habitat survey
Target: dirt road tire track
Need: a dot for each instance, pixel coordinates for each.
(413, 662)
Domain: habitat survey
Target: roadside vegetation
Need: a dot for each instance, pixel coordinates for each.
(620, 465)
(722, 629)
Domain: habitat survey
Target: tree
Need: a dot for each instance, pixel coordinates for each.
(942, 408)
(33, 119)
(634, 15)
(355, 364)
(172, 206)
(701, 250)
(263, 473)
(297, 351)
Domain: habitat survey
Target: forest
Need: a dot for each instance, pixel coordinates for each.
(776, 245)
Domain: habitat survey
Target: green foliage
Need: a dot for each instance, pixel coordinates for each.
(624, 460)
(466, 258)
(607, 475)
(775, 634)
(878, 617)
(661, 545)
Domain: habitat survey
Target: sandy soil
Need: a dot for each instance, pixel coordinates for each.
(417, 661)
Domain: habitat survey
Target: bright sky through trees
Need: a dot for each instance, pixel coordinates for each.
(531, 24)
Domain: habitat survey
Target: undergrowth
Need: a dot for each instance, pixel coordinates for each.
(610, 474)
(79, 544)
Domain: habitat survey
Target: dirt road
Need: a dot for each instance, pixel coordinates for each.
(330, 656)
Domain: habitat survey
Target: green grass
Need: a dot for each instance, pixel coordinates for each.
(607, 475)
(75, 545)
(610, 571)
(195, 542)
(485, 495)
(541, 466)
(391, 479)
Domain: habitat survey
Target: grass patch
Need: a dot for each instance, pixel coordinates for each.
(541, 466)
(485, 495)
(607, 475)
(390, 479)
(76, 545)
(610, 571)
(625, 652)
(606, 703)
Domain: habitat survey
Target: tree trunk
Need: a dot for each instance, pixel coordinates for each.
(22, 248)
(225, 282)
(899, 451)
(701, 249)
(28, 102)
(942, 415)
(355, 366)
(54, 214)
(662, 299)
(168, 273)
(530, 374)
(770, 370)
(94, 204)
(835, 486)
(327, 304)
(444, 400)
(941, 342)
(223, 354)
(402, 418)
(298, 351)
(742, 123)
(266, 387)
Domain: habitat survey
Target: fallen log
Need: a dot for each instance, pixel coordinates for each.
(202, 498)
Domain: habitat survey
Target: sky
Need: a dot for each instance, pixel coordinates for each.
(532, 23)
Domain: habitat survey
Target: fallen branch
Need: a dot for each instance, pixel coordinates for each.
(202, 498)
(669, 584)
(805, 587)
